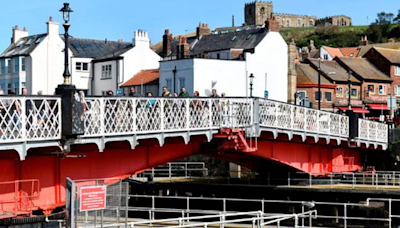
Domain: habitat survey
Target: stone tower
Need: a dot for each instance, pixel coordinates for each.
(256, 13)
(292, 74)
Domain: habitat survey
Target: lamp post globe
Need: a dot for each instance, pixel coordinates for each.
(66, 10)
(251, 84)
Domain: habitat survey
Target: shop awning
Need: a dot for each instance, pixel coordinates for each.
(378, 106)
(356, 110)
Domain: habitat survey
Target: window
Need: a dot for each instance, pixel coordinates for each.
(22, 63)
(299, 22)
(397, 71)
(351, 55)
(326, 56)
(301, 95)
(8, 66)
(397, 90)
(106, 71)
(16, 87)
(354, 93)
(3, 66)
(218, 56)
(342, 22)
(169, 84)
(250, 11)
(328, 96)
(339, 91)
(311, 23)
(182, 82)
(82, 66)
(317, 97)
(23, 84)
(16, 64)
(288, 23)
(371, 89)
(9, 88)
(262, 11)
(382, 89)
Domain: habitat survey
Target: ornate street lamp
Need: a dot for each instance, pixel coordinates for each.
(319, 83)
(349, 84)
(174, 72)
(251, 84)
(66, 10)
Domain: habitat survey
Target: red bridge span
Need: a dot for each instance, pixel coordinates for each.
(125, 136)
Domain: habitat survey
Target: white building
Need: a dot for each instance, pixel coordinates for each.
(225, 61)
(37, 62)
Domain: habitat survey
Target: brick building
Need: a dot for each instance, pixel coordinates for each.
(338, 20)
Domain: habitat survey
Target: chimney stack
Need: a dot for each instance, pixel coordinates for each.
(52, 29)
(18, 34)
(140, 39)
(364, 41)
(272, 25)
(182, 49)
(233, 20)
(167, 40)
(292, 73)
(202, 30)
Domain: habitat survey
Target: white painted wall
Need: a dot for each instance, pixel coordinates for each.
(324, 52)
(140, 57)
(80, 78)
(230, 76)
(270, 57)
(184, 69)
(224, 54)
(105, 84)
(47, 66)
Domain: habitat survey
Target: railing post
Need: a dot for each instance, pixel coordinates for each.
(302, 217)
(186, 168)
(187, 103)
(390, 213)
(187, 207)
(169, 171)
(310, 180)
(345, 216)
(134, 114)
(22, 119)
(102, 116)
(289, 179)
(162, 113)
(210, 102)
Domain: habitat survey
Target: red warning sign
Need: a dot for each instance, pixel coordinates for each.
(93, 198)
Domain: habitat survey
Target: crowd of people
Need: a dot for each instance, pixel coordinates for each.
(167, 93)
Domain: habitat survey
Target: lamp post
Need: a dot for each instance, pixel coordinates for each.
(66, 10)
(174, 72)
(349, 85)
(319, 83)
(251, 84)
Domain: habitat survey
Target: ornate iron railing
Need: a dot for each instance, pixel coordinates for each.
(372, 131)
(29, 118)
(125, 115)
(286, 116)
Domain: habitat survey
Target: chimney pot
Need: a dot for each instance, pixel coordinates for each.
(166, 31)
(207, 25)
(24, 29)
(16, 27)
(202, 25)
(51, 19)
(199, 24)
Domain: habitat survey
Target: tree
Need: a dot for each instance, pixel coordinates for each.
(374, 33)
(384, 18)
(397, 18)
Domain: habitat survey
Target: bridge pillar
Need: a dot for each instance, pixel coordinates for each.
(72, 111)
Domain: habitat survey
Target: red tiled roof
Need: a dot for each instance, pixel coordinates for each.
(350, 51)
(144, 76)
(333, 51)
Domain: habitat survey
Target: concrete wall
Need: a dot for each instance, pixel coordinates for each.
(185, 69)
(81, 78)
(102, 84)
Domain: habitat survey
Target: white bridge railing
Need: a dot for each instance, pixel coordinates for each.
(372, 131)
(38, 118)
(125, 115)
(31, 118)
(291, 117)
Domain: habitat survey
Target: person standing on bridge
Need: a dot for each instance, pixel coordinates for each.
(166, 92)
(133, 92)
(184, 93)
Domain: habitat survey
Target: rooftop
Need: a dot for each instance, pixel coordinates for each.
(143, 77)
(363, 68)
(101, 49)
(392, 55)
(24, 46)
(350, 51)
(307, 75)
(333, 51)
(389, 45)
(246, 39)
(332, 70)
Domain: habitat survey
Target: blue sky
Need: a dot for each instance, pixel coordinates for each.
(100, 19)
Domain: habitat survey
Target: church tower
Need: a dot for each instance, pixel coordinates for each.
(256, 13)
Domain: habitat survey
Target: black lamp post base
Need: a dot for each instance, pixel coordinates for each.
(72, 111)
(353, 123)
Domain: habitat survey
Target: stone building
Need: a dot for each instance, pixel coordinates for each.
(295, 21)
(256, 13)
(338, 20)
